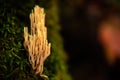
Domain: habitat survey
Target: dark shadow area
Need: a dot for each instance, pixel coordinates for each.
(80, 20)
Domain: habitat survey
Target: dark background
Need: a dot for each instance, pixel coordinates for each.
(79, 31)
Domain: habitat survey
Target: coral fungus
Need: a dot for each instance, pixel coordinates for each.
(36, 42)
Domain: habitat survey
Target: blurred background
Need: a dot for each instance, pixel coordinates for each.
(79, 20)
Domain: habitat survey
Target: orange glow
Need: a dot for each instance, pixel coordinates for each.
(110, 39)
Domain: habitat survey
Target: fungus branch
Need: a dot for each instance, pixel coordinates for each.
(36, 42)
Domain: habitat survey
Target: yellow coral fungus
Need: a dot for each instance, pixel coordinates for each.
(36, 42)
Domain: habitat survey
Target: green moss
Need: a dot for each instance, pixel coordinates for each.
(14, 64)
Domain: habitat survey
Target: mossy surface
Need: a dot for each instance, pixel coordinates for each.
(14, 64)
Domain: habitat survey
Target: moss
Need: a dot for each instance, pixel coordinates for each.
(14, 64)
